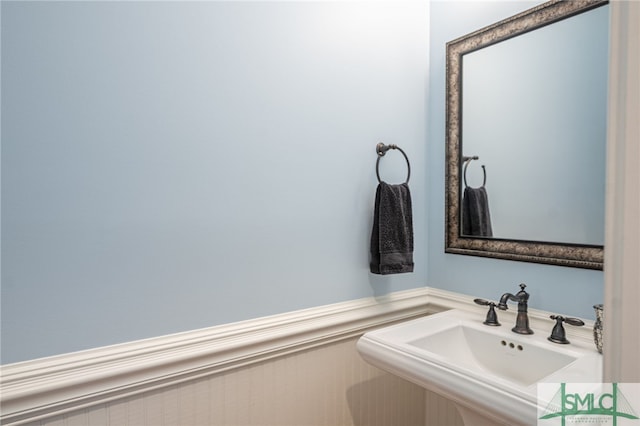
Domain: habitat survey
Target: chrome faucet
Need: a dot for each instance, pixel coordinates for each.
(522, 319)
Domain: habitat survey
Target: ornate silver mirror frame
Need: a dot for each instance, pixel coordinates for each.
(574, 255)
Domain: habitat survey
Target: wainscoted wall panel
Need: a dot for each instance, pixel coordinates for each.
(440, 411)
(329, 385)
(299, 368)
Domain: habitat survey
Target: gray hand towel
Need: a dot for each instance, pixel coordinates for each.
(476, 219)
(392, 235)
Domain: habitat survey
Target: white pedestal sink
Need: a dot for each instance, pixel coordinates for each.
(490, 373)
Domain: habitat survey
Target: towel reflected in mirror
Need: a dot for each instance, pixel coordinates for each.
(476, 219)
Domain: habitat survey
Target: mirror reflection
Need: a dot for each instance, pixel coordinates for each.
(534, 112)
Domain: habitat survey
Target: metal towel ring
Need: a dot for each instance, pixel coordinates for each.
(467, 160)
(382, 149)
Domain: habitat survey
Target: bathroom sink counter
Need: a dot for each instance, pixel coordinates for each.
(490, 370)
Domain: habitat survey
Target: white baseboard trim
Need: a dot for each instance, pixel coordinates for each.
(47, 387)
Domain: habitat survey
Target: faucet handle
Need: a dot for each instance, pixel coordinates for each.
(574, 321)
(558, 333)
(487, 303)
(492, 317)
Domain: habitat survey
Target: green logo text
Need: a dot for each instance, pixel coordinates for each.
(565, 404)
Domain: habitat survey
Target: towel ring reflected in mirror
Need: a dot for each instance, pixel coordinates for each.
(382, 149)
(467, 160)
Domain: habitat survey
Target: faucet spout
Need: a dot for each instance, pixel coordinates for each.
(522, 318)
(502, 304)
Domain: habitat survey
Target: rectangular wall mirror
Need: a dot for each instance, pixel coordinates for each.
(526, 136)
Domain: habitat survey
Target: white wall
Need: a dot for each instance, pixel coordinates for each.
(568, 291)
(168, 166)
(622, 293)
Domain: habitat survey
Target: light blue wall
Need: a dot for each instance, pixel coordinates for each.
(564, 290)
(168, 166)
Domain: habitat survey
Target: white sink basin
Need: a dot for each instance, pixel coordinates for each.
(490, 370)
(485, 350)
